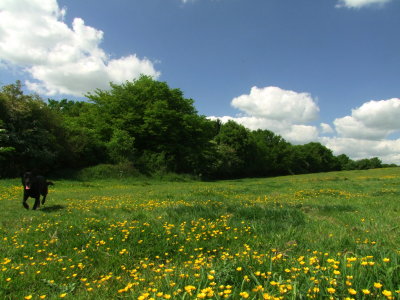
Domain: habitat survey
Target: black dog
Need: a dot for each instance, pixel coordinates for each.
(34, 186)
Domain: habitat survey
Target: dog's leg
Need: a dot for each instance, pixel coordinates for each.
(44, 199)
(24, 204)
(37, 203)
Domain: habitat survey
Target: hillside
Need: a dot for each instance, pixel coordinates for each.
(305, 236)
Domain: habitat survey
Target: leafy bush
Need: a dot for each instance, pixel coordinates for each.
(106, 171)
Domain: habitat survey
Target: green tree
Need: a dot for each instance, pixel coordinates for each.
(6, 151)
(345, 162)
(321, 158)
(272, 155)
(158, 118)
(120, 147)
(84, 133)
(234, 150)
(33, 132)
(367, 163)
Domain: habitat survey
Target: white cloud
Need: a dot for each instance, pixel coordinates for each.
(275, 103)
(326, 128)
(382, 114)
(301, 134)
(363, 134)
(281, 111)
(360, 3)
(59, 58)
(374, 120)
(387, 150)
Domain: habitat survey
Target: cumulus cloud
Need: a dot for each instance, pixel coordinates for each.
(297, 134)
(282, 111)
(59, 58)
(387, 150)
(363, 134)
(326, 128)
(382, 114)
(275, 103)
(374, 120)
(301, 134)
(360, 3)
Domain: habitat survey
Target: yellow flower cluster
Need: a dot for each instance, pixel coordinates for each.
(147, 252)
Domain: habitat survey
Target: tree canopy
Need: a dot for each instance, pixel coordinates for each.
(150, 126)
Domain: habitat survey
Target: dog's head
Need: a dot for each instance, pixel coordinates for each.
(28, 180)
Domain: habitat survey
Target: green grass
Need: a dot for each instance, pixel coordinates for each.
(295, 237)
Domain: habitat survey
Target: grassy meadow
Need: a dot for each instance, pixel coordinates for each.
(320, 236)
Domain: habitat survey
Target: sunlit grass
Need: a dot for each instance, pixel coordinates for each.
(311, 236)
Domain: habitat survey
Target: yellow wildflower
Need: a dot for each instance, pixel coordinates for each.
(244, 295)
(331, 290)
(377, 285)
(201, 295)
(352, 291)
(387, 293)
(189, 289)
(366, 292)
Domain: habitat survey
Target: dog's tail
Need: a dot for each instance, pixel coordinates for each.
(49, 183)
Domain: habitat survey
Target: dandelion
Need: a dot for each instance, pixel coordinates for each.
(352, 291)
(387, 293)
(63, 295)
(143, 296)
(189, 289)
(377, 285)
(28, 297)
(366, 291)
(227, 292)
(331, 290)
(244, 295)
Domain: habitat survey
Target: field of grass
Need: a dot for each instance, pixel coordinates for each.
(320, 236)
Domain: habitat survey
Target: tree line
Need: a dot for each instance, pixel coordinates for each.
(148, 126)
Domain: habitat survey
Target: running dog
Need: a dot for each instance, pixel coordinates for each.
(34, 186)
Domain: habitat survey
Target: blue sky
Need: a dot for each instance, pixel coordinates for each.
(309, 70)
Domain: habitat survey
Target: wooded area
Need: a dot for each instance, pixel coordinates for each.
(146, 125)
